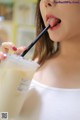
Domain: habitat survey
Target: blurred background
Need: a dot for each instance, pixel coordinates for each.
(17, 22)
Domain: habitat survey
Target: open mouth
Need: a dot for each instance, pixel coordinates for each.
(53, 21)
(58, 21)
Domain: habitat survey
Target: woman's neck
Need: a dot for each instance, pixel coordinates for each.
(70, 48)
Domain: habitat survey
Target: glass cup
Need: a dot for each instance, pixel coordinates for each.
(15, 77)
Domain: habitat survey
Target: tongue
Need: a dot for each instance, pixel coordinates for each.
(53, 22)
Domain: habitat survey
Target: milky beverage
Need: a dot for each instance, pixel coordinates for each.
(15, 78)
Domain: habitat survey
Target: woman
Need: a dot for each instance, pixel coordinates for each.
(58, 79)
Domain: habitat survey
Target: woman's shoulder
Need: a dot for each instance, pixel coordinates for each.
(46, 70)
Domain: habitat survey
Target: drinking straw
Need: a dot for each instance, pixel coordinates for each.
(33, 43)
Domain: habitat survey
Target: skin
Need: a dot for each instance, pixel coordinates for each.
(9, 46)
(64, 68)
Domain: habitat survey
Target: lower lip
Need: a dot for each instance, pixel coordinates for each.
(54, 28)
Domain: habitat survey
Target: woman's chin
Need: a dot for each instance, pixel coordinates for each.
(57, 38)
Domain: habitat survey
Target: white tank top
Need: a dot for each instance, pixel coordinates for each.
(58, 103)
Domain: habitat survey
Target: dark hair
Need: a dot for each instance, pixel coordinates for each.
(44, 48)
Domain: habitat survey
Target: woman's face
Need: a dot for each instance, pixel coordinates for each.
(68, 13)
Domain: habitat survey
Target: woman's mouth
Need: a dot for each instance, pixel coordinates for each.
(54, 22)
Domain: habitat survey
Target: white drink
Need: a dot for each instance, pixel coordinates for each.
(15, 78)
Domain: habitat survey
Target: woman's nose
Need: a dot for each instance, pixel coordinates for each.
(49, 3)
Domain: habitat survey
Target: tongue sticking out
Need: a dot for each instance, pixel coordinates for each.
(53, 22)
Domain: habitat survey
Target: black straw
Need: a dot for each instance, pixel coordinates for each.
(37, 38)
